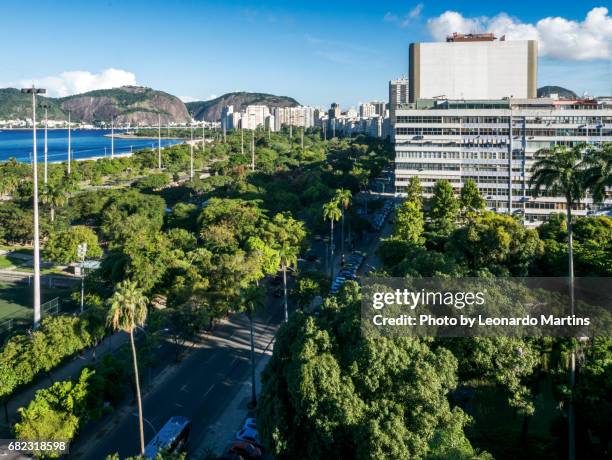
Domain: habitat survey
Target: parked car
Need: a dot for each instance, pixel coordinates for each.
(249, 435)
(250, 423)
(246, 450)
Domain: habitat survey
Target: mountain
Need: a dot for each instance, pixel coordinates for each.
(15, 105)
(546, 91)
(128, 104)
(211, 110)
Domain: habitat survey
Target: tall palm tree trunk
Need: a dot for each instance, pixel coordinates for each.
(138, 399)
(52, 213)
(253, 389)
(571, 413)
(342, 234)
(331, 250)
(285, 292)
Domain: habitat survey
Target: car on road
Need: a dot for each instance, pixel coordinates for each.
(249, 435)
(246, 450)
(250, 423)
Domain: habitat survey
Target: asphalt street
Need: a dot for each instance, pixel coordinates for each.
(198, 388)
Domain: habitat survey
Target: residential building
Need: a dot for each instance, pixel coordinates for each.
(302, 116)
(379, 107)
(367, 110)
(334, 111)
(398, 94)
(255, 116)
(473, 67)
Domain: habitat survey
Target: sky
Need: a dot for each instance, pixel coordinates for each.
(317, 51)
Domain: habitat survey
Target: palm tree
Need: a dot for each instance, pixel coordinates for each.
(252, 298)
(56, 196)
(288, 258)
(598, 173)
(128, 310)
(343, 196)
(331, 212)
(560, 171)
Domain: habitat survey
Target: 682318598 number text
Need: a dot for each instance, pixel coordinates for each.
(33, 446)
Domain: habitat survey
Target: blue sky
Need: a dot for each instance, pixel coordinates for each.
(316, 51)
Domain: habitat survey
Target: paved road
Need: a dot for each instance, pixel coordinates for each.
(199, 388)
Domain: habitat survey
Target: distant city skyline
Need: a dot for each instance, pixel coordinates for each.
(316, 52)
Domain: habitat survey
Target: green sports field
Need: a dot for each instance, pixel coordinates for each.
(16, 301)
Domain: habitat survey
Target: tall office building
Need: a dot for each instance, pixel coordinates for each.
(398, 94)
(473, 67)
(494, 143)
(491, 139)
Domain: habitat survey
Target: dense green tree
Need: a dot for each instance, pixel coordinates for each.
(343, 197)
(444, 208)
(409, 223)
(414, 191)
(331, 392)
(61, 247)
(470, 199)
(496, 242)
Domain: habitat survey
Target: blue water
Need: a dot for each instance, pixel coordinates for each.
(85, 143)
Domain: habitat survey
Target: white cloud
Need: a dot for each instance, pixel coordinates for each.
(416, 11)
(558, 37)
(407, 19)
(81, 81)
(188, 98)
(390, 17)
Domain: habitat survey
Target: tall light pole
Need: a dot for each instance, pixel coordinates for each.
(112, 137)
(159, 141)
(302, 138)
(82, 252)
(34, 91)
(69, 142)
(242, 136)
(46, 107)
(253, 145)
(191, 154)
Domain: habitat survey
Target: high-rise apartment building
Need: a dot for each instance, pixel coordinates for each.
(398, 94)
(255, 116)
(379, 107)
(473, 67)
(334, 111)
(367, 110)
(302, 116)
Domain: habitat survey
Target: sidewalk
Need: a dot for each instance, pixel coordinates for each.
(69, 370)
(221, 434)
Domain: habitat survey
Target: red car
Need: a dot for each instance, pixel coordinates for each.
(246, 450)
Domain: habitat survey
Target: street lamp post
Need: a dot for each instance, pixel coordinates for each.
(112, 137)
(46, 107)
(191, 154)
(82, 252)
(159, 141)
(253, 145)
(34, 91)
(69, 142)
